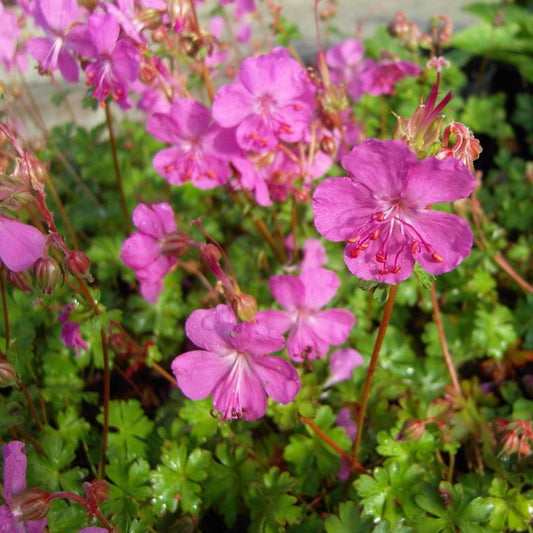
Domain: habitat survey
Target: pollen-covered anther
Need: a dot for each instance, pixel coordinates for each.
(437, 258)
(415, 247)
(364, 246)
(285, 128)
(380, 258)
(396, 269)
(380, 217)
(352, 240)
(375, 235)
(383, 271)
(354, 252)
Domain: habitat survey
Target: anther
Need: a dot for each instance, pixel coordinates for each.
(383, 271)
(380, 217)
(354, 252)
(415, 247)
(380, 258)
(364, 246)
(437, 258)
(396, 269)
(354, 239)
(375, 235)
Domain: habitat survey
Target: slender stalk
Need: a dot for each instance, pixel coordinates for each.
(387, 312)
(442, 339)
(31, 405)
(82, 501)
(5, 309)
(504, 264)
(118, 175)
(107, 391)
(62, 212)
(162, 372)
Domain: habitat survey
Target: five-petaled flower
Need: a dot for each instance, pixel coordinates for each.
(381, 210)
(233, 365)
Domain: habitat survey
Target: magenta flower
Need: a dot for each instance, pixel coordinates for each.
(10, 55)
(233, 365)
(201, 150)
(271, 100)
(14, 485)
(116, 61)
(346, 62)
(341, 364)
(381, 211)
(70, 331)
(20, 244)
(144, 251)
(312, 331)
(381, 77)
(60, 20)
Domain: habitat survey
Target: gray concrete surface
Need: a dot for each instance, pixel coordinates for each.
(355, 17)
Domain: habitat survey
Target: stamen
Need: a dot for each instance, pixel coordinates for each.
(354, 252)
(380, 258)
(364, 246)
(380, 217)
(354, 239)
(375, 235)
(415, 247)
(383, 271)
(396, 269)
(437, 258)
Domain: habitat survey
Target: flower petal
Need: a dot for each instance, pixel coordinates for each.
(20, 244)
(333, 325)
(210, 328)
(289, 291)
(321, 285)
(278, 377)
(139, 251)
(14, 469)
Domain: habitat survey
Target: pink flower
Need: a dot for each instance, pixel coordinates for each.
(20, 244)
(341, 364)
(381, 211)
(312, 331)
(271, 100)
(59, 19)
(14, 485)
(347, 63)
(116, 61)
(234, 366)
(200, 151)
(381, 77)
(144, 251)
(70, 331)
(10, 55)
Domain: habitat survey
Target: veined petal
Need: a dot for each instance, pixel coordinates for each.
(333, 325)
(303, 343)
(321, 285)
(139, 251)
(210, 328)
(449, 236)
(289, 291)
(340, 206)
(381, 166)
(166, 216)
(275, 319)
(20, 244)
(255, 339)
(278, 377)
(232, 105)
(147, 221)
(434, 180)
(198, 372)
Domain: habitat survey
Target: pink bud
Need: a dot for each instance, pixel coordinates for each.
(48, 273)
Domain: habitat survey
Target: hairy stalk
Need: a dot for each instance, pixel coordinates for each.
(5, 309)
(387, 312)
(82, 501)
(118, 175)
(162, 372)
(31, 405)
(442, 339)
(107, 391)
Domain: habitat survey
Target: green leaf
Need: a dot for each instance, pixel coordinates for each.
(175, 479)
(349, 520)
(129, 429)
(512, 510)
(493, 330)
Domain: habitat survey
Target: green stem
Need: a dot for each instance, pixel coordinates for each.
(371, 369)
(118, 175)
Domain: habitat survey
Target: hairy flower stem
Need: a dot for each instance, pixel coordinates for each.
(106, 395)
(442, 339)
(387, 312)
(118, 175)
(332, 444)
(93, 510)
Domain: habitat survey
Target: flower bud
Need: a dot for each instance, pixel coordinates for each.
(48, 273)
(8, 374)
(96, 491)
(32, 504)
(412, 430)
(244, 306)
(149, 18)
(20, 280)
(78, 263)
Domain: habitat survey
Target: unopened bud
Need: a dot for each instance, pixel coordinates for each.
(412, 430)
(48, 273)
(78, 263)
(8, 374)
(96, 491)
(32, 504)
(149, 18)
(20, 280)
(245, 307)
(328, 145)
